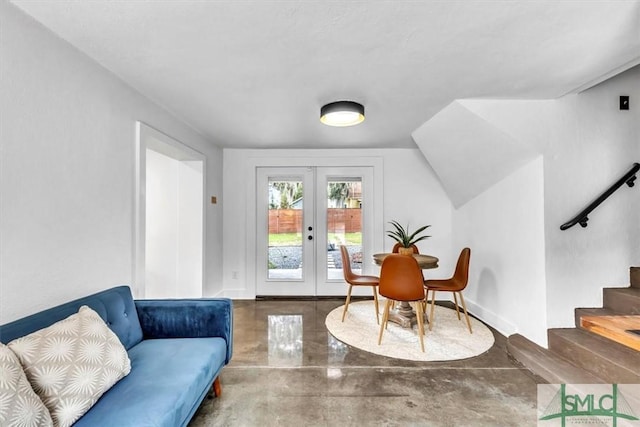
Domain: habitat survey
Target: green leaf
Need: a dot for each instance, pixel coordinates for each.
(403, 236)
(418, 231)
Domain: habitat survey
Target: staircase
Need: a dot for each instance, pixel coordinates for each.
(591, 352)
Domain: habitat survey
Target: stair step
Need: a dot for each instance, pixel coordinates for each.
(546, 364)
(622, 300)
(634, 277)
(581, 312)
(615, 328)
(604, 358)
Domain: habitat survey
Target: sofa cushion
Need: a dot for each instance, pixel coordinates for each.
(71, 363)
(19, 404)
(187, 318)
(115, 306)
(168, 380)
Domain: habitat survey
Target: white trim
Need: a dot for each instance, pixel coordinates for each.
(502, 325)
(139, 247)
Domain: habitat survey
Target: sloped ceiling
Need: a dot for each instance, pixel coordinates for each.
(469, 154)
(255, 73)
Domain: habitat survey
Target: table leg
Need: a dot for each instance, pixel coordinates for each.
(405, 316)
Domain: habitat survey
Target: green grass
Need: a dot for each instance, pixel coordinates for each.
(349, 238)
(285, 239)
(292, 239)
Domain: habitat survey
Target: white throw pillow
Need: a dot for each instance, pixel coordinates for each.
(20, 406)
(71, 363)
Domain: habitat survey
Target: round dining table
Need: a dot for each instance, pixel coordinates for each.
(404, 315)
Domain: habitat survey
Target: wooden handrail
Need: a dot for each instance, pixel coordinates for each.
(582, 217)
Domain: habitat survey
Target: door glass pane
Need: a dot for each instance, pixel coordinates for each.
(285, 229)
(344, 224)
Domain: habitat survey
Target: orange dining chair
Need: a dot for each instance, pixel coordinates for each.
(398, 245)
(401, 280)
(455, 285)
(356, 280)
(395, 250)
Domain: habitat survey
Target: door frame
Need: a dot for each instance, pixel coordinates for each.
(253, 163)
(148, 137)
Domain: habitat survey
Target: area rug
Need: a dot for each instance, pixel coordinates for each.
(449, 340)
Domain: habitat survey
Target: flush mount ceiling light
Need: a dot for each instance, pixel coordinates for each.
(342, 113)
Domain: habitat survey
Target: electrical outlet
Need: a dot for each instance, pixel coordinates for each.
(214, 200)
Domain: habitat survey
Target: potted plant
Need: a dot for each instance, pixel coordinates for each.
(405, 238)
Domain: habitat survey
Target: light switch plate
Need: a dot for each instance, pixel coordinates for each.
(624, 102)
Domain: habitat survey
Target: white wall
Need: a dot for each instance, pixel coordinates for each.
(504, 227)
(189, 252)
(587, 144)
(67, 137)
(161, 225)
(598, 143)
(411, 193)
(173, 227)
(495, 181)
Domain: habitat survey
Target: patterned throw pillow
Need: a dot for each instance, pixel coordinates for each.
(71, 363)
(19, 405)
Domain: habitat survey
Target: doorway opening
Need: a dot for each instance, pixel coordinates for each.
(169, 242)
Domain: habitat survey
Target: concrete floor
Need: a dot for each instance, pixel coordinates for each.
(287, 370)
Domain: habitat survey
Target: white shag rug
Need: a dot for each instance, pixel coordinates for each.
(449, 340)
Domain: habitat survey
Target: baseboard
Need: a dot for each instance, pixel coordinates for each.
(311, 298)
(500, 324)
(237, 294)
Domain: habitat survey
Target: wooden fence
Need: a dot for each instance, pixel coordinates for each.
(339, 220)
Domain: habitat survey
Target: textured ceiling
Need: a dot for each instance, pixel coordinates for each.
(255, 73)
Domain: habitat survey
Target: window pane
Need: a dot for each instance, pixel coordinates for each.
(344, 224)
(285, 230)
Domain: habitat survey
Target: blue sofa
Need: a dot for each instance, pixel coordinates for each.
(177, 350)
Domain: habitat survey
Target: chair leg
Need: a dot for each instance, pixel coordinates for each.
(465, 313)
(433, 303)
(375, 300)
(385, 318)
(420, 318)
(455, 300)
(346, 304)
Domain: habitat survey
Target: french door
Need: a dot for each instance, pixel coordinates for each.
(304, 215)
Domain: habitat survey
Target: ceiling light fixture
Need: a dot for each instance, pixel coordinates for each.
(342, 113)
